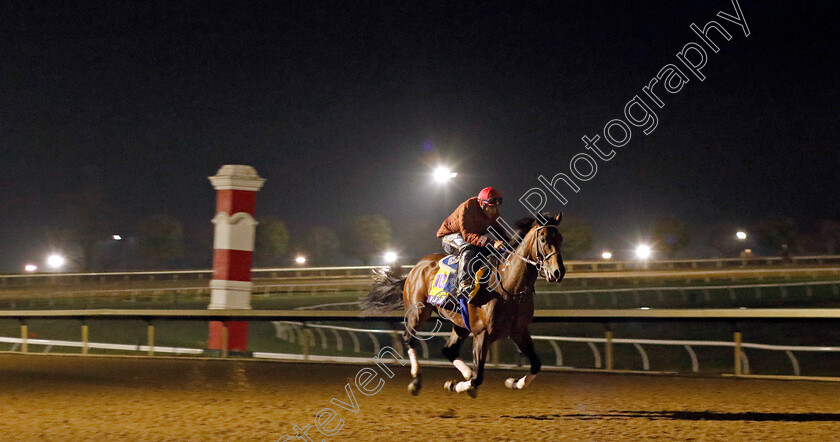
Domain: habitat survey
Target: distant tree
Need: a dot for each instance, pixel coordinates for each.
(671, 235)
(418, 238)
(806, 243)
(722, 238)
(577, 237)
(271, 242)
(83, 215)
(777, 233)
(85, 211)
(827, 234)
(365, 237)
(198, 239)
(161, 240)
(822, 238)
(320, 246)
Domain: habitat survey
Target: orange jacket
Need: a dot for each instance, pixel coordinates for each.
(471, 221)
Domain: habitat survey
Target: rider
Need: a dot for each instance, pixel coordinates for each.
(464, 232)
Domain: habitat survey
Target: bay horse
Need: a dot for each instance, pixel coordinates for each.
(507, 313)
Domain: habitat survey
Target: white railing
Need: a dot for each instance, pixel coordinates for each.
(305, 332)
(302, 325)
(572, 266)
(297, 332)
(50, 343)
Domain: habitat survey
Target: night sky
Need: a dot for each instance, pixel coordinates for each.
(344, 108)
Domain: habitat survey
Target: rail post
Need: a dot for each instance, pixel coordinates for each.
(24, 337)
(737, 336)
(84, 338)
(224, 339)
(150, 335)
(304, 342)
(494, 354)
(608, 348)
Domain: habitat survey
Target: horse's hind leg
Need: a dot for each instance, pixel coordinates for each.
(419, 314)
(526, 346)
(452, 351)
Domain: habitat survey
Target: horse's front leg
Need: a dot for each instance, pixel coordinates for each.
(452, 351)
(480, 346)
(526, 346)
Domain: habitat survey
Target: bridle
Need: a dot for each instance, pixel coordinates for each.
(540, 259)
(538, 264)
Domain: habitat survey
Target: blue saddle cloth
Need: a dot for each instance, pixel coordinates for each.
(446, 285)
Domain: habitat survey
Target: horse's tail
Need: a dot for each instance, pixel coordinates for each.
(386, 293)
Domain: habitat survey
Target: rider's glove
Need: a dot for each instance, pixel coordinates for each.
(502, 247)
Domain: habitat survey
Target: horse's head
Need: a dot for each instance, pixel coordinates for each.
(545, 246)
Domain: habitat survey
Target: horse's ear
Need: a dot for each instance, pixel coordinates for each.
(559, 217)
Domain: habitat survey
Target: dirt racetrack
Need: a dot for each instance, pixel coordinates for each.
(109, 398)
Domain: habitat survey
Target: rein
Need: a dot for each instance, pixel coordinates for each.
(533, 263)
(538, 264)
(540, 259)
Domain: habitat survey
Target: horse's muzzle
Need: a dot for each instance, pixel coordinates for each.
(557, 275)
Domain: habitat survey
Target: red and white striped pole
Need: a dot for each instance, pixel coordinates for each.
(233, 246)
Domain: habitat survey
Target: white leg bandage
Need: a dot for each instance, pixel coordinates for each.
(415, 367)
(525, 381)
(466, 372)
(462, 386)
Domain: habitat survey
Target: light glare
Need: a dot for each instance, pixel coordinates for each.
(390, 257)
(741, 235)
(643, 251)
(443, 174)
(55, 261)
(30, 267)
(300, 260)
(606, 255)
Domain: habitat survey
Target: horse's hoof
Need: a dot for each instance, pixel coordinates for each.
(511, 383)
(415, 385)
(413, 389)
(473, 392)
(449, 386)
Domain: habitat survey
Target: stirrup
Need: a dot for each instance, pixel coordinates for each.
(465, 291)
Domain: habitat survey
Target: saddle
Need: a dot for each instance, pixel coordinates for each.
(445, 287)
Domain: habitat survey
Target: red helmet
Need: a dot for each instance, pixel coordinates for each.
(490, 196)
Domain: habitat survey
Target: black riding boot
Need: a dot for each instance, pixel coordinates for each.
(466, 283)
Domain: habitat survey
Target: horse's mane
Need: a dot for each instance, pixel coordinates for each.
(523, 225)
